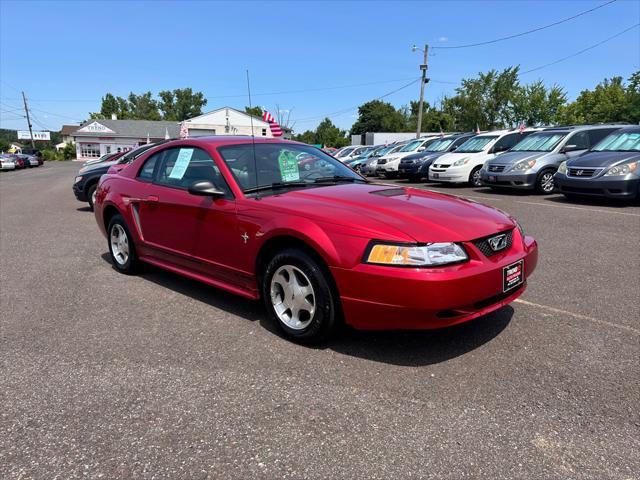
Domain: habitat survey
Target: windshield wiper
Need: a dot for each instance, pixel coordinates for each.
(339, 178)
(275, 186)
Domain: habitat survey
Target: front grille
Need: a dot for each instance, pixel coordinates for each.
(441, 165)
(582, 172)
(483, 245)
(406, 162)
(496, 168)
(381, 162)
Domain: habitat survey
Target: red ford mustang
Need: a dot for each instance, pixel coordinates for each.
(320, 245)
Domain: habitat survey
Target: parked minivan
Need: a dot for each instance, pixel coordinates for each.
(463, 165)
(532, 162)
(610, 169)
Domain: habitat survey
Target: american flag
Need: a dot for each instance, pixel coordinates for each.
(184, 131)
(276, 131)
(521, 127)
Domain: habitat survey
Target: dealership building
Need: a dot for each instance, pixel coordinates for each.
(95, 138)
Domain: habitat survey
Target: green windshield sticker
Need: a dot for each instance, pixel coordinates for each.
(288, 166)
(182, 162)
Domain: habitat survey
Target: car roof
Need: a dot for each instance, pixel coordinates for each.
(574, 128)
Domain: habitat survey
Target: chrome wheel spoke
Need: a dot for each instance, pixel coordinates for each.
(292, 297)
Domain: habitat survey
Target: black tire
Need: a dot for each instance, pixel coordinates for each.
(132, 263)
(542, 185)
(326, 316)
(414, 178)
(390, 175)
(90, 193)
(474, 177)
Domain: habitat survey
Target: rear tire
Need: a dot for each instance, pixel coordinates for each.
(300, 297)
(545, 183)
(91, 195)
(122, 250)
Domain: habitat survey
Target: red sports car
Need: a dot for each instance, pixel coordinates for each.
(319, 246)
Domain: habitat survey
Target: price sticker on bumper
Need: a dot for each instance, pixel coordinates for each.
(512, 275)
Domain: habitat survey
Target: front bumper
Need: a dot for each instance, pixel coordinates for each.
(610, 187)
(409, 169)
(377, 297)
(8, 166)
(512, 180)
(78, 191)
(449, 175)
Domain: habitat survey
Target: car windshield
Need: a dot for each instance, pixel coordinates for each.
(539, 142)
(283, 165)
(475, 144)
(439, 145)
(411, 146)
(344, 152)
(619, 142)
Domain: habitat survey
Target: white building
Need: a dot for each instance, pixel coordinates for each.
(227, 121)
(99, 137)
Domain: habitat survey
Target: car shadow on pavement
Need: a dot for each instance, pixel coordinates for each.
(593, 201)
(422, 347)
(404, 348)
(84, 209)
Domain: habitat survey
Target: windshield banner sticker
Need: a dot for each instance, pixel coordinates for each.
(288, 166)
(182, 162)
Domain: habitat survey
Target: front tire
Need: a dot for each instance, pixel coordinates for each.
(121, 247)
(299, 296)
(91, 195)
(474, 177)
(545, 183)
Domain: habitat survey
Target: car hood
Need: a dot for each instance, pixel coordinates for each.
(389, 212)
(424, 156)
(603, 159)
(509, 158)
(98, 166)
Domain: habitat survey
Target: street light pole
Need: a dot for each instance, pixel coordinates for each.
(423, 81)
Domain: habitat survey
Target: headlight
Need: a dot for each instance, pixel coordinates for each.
(563, 167)
(523, 165)
(78, 179)
(462, 161)
(416, 255)
(520, 229)
(622, 169)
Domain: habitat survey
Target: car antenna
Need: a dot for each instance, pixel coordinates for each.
(253, 138)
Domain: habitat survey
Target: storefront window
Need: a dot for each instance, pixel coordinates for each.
(90, 150)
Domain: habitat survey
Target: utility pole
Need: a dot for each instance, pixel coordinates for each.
(26, 110)
(423, 82)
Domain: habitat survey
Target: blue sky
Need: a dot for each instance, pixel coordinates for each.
(66, 55)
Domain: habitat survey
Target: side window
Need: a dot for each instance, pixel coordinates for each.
(506, 142)
(580, 140)
(459, 141)
(180, 167)
(596, 135)
(146, 172)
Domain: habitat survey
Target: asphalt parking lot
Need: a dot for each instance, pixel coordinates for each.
(155, 376)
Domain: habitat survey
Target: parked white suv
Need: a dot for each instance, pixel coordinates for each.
(388, 164)
(463, 165)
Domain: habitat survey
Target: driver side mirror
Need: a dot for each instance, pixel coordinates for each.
(205, 188)
(570, 148)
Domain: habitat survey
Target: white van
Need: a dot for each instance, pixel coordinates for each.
(463, 165)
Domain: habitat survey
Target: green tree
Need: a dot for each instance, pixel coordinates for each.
(255, 111)
(143, 107)
(328, 134)
(181, 104)
(307, 137)
(536, 104)
(378, 116)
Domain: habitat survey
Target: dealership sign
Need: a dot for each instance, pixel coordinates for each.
(25, 135)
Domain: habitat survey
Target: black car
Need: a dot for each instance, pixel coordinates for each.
(416, 166)
(610, 169)
(86, 182)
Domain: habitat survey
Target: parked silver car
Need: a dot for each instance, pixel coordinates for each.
(531, 163)
(7, 162)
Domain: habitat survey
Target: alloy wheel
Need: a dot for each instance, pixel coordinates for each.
(546, 182)
(475, 178)
(292, 297)
(119, 244)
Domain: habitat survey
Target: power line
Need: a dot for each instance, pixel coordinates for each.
(509, 37)
(339, 112)
(581, 51)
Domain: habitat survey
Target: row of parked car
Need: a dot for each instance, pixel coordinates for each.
(18, 161)
(585, 160)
